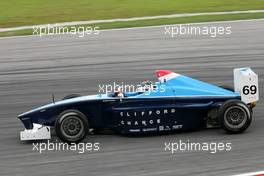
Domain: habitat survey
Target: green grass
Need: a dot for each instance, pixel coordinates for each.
(31, 12)
(141, 23)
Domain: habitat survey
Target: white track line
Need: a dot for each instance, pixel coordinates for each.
(251, 174)
(195, 23)
(73, 23)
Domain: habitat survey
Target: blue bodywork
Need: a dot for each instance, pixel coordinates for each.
(179, 103)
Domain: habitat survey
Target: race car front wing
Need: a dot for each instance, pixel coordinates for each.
(37, 132)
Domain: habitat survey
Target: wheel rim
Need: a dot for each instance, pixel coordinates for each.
(72, 127)
(235, 117)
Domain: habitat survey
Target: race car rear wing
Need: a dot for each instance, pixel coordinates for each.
(246, 84)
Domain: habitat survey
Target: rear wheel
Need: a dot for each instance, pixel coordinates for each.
(235, 116)
(71, 126)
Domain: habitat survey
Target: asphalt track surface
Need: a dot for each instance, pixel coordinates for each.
(32, 67)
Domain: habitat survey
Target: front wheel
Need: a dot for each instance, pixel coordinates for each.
(235, 116)
(71, 126)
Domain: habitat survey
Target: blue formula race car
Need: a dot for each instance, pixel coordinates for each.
(174, 103)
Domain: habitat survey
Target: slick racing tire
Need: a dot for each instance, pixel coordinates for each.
(235, 116)
(71, 126)
(71, 96)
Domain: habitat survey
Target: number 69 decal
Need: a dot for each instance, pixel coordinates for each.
(250, 90)
(246, 84)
